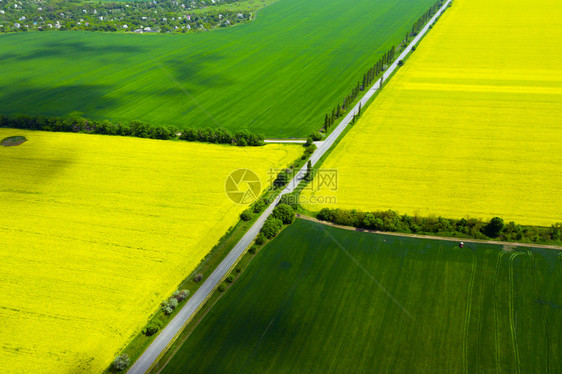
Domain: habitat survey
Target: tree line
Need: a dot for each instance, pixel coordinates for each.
(368, 78)
(465, 227)
(133, 128)
(377, 68)
(223, 136)
(419, 24)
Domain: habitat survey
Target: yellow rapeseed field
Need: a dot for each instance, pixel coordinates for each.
(471, 125)
(95, 231)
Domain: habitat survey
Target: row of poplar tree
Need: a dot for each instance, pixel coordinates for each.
(378, 68)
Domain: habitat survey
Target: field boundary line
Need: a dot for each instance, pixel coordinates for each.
(432, 237)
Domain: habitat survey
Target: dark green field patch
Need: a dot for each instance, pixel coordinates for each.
(13, 141)
(324, 300)
(278, 75)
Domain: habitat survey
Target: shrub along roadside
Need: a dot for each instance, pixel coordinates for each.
(135, 128)
(495, 229)
(167, 307)
(152, 328)
(283, 214)
(209, 263)
(120, 362)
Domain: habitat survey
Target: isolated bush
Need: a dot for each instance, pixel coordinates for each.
(291, 200)
(253, 249)
(400, 63)
(285, 213)
(259, 206)
(260, 239)
(316, 136)
(230, 278)
(181, 295)
(309, 176)
(169, 305)
(281, 180)
(246, 215)
(271, 227)
(198, 277)
(222, 287)
(173, 302)
(309, 149)
(151, 329)
(121, 362)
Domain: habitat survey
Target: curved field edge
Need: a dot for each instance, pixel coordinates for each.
(274, 315)
(458, 132)
(97, 230)
(278, 75)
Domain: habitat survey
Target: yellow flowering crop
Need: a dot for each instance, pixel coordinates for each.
(95, 231)
(471, 125)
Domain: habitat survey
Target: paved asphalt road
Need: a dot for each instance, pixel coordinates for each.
(167, 335)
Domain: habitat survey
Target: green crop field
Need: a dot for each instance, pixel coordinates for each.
(278, 75)
(320, 299)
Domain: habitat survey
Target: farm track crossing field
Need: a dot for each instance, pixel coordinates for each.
(324, 300)
(471, 125)
(278, 75)
(95, 231)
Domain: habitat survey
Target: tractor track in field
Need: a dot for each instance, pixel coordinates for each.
(395, 348)
(513, 313)
(467, 313)
(541, 308)
(497, 337)
(479, 327)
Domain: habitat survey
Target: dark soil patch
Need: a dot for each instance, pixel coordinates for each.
(12, 141)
